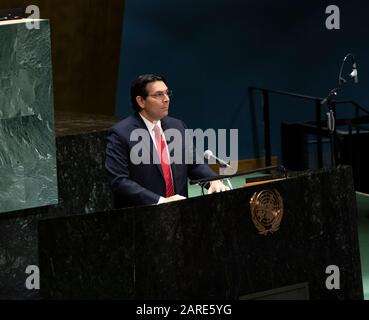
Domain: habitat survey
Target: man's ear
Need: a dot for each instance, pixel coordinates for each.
(140, 101)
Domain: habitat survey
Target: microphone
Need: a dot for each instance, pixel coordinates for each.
(209, 154)
(353, 74)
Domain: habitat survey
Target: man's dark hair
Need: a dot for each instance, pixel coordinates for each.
(138, 88)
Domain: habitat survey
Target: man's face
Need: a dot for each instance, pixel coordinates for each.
(156, 105)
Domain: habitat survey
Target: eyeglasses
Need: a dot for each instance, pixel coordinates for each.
(160, 95)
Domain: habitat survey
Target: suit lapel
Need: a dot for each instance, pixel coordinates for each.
(151, 147)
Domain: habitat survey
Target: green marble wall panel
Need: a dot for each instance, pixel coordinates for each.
(27, 137)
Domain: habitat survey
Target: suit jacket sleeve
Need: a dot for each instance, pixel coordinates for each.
(117, 165)
(198, 169)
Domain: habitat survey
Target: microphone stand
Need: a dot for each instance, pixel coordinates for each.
(223, 166)
(222, 171)
(331, 114)
(331, 122)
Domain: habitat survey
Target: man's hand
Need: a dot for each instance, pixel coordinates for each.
(176, 197)
(217, 186)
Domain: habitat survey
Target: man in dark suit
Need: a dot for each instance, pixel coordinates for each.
(156, 180)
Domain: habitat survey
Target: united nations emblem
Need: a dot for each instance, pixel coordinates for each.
(266, 211)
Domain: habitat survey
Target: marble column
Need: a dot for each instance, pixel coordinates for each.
(27, 138)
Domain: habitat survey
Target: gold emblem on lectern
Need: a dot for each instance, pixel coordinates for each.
(266, 211)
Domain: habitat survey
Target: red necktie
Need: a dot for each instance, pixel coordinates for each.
(164, 160)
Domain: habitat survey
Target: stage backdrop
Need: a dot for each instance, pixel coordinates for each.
(211, 50)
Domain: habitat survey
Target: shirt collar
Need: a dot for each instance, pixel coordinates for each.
(150, 125)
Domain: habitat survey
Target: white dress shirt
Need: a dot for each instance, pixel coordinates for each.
(150, 126)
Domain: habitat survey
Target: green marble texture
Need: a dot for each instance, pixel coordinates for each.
(27, 137)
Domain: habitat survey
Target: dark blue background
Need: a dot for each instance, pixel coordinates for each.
(210, 51)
